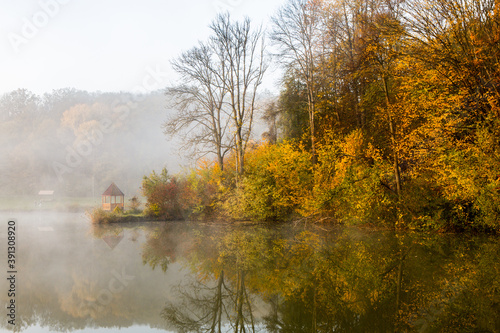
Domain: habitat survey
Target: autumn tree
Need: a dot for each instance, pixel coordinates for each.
(384, 38)
(459, 39)
(456, 44)
(345, 64)
(298, 33)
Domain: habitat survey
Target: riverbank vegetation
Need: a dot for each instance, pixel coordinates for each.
(101, 216)
(131, 213)
(388, 115)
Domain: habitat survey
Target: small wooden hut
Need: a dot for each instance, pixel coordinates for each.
(113, 197)
(46, 194)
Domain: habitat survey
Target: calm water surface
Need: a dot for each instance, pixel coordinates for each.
(151, 277)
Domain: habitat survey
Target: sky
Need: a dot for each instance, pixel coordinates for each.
(107, 45)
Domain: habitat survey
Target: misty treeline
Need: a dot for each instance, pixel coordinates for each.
(388, 114)
(76, 143)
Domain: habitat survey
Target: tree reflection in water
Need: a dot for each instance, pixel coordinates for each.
(250, 278)
(282, 280)
(219, 299)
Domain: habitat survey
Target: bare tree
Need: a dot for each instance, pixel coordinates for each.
(242, 67)
(270, 116)
(204, 308)
(217, 99)
(298, 32)
(212, 307)
(199, 100)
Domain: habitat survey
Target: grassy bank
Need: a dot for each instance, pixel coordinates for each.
(101, 216)
(36, 203)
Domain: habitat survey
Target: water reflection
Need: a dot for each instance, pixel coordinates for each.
(222, 296)
(72, 278)
(345, 280)
(195, 277)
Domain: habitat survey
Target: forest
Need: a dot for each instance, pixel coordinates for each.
(388, 115)
(76, 143)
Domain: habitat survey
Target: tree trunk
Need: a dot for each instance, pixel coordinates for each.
(392, 129)
(312, 111)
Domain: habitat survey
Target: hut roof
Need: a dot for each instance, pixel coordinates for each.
(43, 192)
(113, 190)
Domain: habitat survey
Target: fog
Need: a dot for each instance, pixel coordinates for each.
(70, 276)
(76, 142)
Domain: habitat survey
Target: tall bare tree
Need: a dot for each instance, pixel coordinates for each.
(217, 97)
(199, 100)
(242, 67)
(298, 32)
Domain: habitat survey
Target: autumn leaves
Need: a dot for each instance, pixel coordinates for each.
(390, 108)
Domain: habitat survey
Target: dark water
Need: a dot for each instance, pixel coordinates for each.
(197, 277)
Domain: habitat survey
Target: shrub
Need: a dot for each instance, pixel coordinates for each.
(118, 210)
(101, 216)
(168, 197)
(277, 180)
(134, 204)
(202, 190)
(349, 180)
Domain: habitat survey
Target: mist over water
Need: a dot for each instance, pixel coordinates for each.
(182, 276)
(70, 278)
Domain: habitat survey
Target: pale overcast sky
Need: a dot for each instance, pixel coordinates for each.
(106, 45)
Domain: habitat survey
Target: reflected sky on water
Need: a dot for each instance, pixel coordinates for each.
(200, 277)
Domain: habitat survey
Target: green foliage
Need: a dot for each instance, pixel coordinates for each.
(292, 105)
(277, 180)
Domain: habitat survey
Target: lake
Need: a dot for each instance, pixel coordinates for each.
(150, 277)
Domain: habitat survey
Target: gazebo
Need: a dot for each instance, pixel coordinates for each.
(113, 197)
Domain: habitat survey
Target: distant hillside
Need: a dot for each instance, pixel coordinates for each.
(77, 143)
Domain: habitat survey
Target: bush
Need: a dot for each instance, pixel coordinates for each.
(168, 197)
(203, 190)
(277, 180)
(349, 180)
(118, 210)
(134, 204)
(101, 216)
